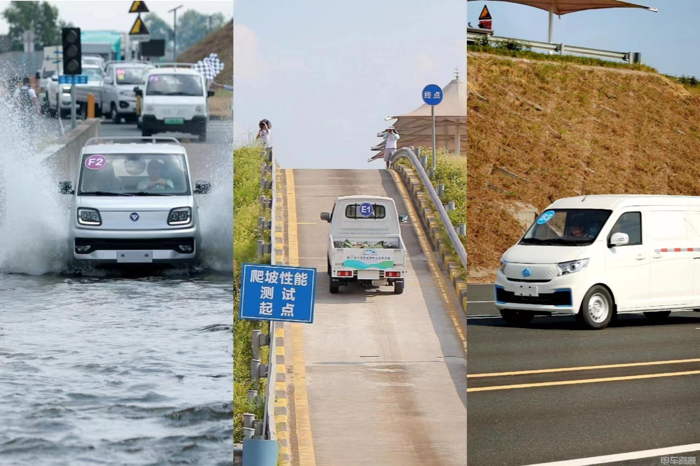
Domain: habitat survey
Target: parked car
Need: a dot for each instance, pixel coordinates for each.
(597, 256)
(134, 203)
(365, 243)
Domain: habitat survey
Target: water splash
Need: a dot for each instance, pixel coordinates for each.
(33, 225)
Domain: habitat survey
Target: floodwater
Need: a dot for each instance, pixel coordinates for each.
(108, 367)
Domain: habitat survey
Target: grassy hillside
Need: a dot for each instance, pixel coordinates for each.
(542, 130)
(246, 210)
(219, 42)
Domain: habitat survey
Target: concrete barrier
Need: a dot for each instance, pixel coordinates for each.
(63, 157)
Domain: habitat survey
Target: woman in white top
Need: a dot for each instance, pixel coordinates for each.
(264, 133)
(390, 135)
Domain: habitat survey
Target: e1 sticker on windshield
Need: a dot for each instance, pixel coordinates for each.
(545, 217)
(95, 162)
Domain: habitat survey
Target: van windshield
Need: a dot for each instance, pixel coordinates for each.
(566, 227)
(175, 84)
(134, 175)
(129, 75)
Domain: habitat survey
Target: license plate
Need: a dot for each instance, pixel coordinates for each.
(368, 274)
(131, 257)
(173, 121)
(527, 290)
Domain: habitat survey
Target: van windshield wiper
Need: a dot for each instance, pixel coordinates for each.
(105, 193)
(557, 241)
(144, 193)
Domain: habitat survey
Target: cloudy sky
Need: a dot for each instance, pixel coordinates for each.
(326, 73)
(114, 15)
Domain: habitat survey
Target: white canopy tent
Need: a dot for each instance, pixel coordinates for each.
(450, 122)
(563, 7)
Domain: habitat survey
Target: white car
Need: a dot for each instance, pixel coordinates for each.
(365, 243)
(594, 256)
(118, 96)
(60, 98)
(174, 100)
(134, 203)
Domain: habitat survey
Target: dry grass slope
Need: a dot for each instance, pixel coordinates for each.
(566, 130)
(219, 42)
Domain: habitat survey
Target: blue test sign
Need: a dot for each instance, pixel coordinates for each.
(432, 94)
(280, 293)
(70, 79)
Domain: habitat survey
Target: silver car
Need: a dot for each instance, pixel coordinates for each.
(134, 203)
(118, 97)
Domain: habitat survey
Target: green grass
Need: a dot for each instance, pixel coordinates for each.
(246, 210)
(507, 52)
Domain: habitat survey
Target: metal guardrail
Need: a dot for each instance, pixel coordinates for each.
(561, 49)
(408, 153)
(269, 431)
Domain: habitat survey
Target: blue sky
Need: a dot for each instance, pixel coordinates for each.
(326, 73)
(668, 40)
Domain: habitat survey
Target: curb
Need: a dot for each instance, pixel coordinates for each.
(281, 406)
(431, 222)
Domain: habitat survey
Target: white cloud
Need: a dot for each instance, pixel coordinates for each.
(246, 53)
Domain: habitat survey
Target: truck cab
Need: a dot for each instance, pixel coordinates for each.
(174, 99)
(365, 243)
(134, 203)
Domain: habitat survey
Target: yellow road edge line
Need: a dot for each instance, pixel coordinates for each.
(432, 263)
(279, 350)
(582, 368)
(576, 382)
(305, 444)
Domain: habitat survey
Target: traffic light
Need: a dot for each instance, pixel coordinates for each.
(72, 51)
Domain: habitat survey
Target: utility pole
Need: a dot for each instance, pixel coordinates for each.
(174, 12)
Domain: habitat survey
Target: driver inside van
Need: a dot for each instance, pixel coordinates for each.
(155, 177)
(584, 226)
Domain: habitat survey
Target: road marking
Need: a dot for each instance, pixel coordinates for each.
(432, 263)
(635, 455)
(305, 443)
(583, 368)
(576, 382)
(307, 223)
(480, 302)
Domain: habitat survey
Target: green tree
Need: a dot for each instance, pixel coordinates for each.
(193, 26)
(41, 17)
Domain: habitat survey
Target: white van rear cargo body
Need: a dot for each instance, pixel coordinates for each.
(593, 256)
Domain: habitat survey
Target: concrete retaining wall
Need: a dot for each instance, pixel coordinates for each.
(63, 156)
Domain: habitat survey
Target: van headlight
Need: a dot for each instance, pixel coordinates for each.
(565, 268)
(89, 217)
(502, 268)
(66, 90)
(180, 216)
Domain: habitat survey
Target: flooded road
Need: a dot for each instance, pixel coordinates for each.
(116, 370)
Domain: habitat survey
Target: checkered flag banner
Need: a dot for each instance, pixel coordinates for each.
(209, 67)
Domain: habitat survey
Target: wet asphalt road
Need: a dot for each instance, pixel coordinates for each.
(557, 422)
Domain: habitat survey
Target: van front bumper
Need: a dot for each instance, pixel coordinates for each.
(163, 246)
(561, 295)
(196, 125)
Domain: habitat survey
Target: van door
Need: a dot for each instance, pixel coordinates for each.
(627, 267)
(672, 283)
(694, 218)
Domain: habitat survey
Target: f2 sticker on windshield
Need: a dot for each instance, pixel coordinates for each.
(545, 217)
(95, 162)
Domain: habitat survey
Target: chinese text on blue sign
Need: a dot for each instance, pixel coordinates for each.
(432, 94)
(70, 79)
(270, 292)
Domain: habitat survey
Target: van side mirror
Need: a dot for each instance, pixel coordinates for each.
(619, 239)
(54, 78)
(138, 91)
(66, 187)
(202, 187)
(403, 218)
(38, 75)
(326, 216)
(108, 80)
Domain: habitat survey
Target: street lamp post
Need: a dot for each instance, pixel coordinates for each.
(174, 12)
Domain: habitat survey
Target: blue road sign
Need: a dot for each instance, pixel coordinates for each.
(432, 94)
(69, 79)
(281, 293)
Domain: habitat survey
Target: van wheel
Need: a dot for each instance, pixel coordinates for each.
(657, 316)
(329, 267)
(398, 287)
(335, 286)
(203, 136)
(597, 308)
(517, 318)
(116, 119)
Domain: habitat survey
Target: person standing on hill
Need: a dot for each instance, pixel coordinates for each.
(391, 136)
(265, 133)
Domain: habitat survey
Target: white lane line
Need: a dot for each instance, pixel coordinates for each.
(635, 455)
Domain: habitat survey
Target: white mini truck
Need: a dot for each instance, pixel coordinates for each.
(597, 256)
(365, 244)
(134, 203)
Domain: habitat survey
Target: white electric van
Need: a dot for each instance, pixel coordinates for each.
(597, 256)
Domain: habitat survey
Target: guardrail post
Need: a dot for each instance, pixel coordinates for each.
(258, 426)
(257, 369)
(424, 161)
(441, 190)
(451, 205)
(248, 419)
(561, 49)
(248, 432)
(252, 394)
(462, 229)
(635, 58)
